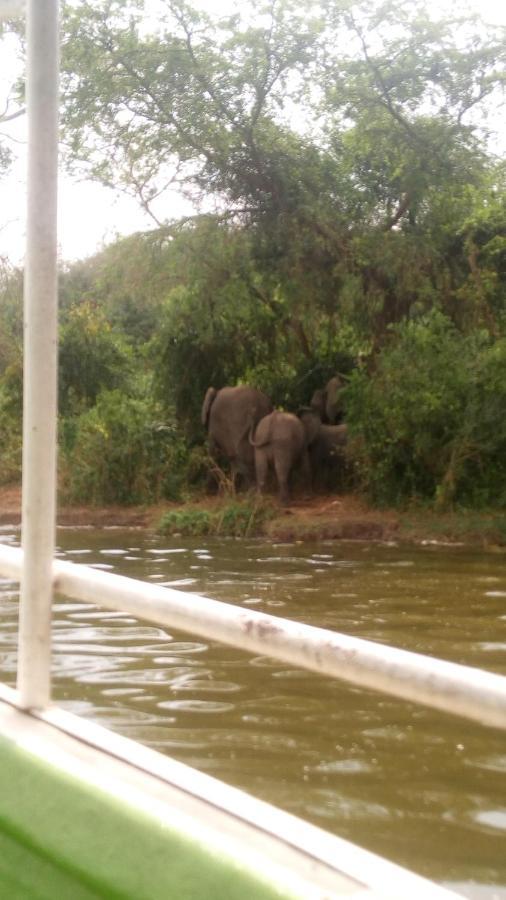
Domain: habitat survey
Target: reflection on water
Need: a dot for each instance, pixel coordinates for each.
(419, 787)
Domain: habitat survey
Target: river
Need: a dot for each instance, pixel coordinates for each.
(422, 788)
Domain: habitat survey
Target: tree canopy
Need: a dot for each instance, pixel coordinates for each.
(340, 134)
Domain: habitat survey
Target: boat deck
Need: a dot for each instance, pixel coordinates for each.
(87, 813)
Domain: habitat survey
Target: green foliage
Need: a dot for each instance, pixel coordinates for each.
(232, 519)
(11, 406)
(216, 323)
(350, 223)
(91, 358)
(187, 522)
(117, 452)
(242, 518)
(11, 315)
(427, 425)
(128, 281)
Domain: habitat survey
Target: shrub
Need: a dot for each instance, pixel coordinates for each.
(240, 519)
(11, 423)
(118, 452)
(236, 519)
(92, 358)
(188, 522)
(429, 424)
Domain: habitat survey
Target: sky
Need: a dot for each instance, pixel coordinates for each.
(90, 215)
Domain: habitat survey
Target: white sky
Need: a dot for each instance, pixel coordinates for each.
(90, 215)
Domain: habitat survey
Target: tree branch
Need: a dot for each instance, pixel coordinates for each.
(401, 209)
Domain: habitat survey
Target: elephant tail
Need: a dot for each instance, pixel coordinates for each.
(251, 439)
(206, 406)
(251, 434)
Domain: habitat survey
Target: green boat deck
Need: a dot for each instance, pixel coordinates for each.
(87, 813)
(77, 823)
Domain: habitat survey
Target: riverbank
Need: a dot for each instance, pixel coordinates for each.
(330, 517)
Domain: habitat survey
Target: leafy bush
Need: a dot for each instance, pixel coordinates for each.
(240, 519)
(428, 425)
(483, 480)
(236, 519)
(118, 452)
(92, 358)
(11, 427)
(188, 522)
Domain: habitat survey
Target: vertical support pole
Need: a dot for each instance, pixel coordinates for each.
(40, 356)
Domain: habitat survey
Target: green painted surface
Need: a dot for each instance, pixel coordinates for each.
(58, 838)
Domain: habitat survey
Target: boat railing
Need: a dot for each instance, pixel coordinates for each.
(447, 686)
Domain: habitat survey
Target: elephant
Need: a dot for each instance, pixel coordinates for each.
(326, 444)
(327, 401)
(229, 415)
(279, 440)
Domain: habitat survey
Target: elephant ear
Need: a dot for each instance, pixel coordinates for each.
(311, 422)
(206, 406)
(333, 392)
(318, 401)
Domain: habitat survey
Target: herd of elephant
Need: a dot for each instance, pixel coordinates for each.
(243, 427)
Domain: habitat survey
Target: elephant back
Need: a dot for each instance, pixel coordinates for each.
(234, 412)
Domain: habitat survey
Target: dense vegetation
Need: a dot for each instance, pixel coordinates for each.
(355, 221)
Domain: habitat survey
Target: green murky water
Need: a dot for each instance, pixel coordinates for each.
(422, 788)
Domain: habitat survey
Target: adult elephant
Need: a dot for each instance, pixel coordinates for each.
(327, 401)
(279, 441)
(326, 444)
(229, 415)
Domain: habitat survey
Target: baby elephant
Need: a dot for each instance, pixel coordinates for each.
(279, 440)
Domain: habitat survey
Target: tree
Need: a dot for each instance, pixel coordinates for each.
(11, 92)
(334, 138)
(91, 358)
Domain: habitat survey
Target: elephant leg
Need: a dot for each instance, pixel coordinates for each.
(307, 470)
(261, 469)
(282, 467)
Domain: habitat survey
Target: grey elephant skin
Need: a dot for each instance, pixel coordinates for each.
(327, 401)
(280, 442)
(229, 414)
(326, 445)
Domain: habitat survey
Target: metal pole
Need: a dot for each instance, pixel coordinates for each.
(40, 355)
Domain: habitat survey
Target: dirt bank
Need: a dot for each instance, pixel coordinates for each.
(338, 516)
(331, 517)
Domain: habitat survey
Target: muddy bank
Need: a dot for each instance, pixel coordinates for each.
(343, 517)
(332, 517)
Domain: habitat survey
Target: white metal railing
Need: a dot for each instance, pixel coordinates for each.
(447, 686)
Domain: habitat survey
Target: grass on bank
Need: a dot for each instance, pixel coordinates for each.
(236, 518)
(261, 517)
